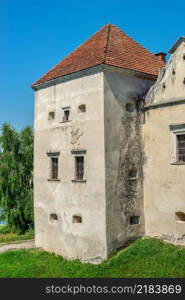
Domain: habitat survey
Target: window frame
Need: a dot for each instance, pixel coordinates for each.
(78, 172)
(64, 109)
(53, 155)
(176, 130)
(78, 153)
(54, 167)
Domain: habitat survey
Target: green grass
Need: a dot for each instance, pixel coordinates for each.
(7, 237)
(144, 258)
(11, 237)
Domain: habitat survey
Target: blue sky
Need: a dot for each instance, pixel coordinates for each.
(36, 35)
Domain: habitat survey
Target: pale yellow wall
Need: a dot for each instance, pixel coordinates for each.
(164, 188)
(164, 183)
(174, 86)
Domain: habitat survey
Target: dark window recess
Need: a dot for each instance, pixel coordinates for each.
(79, 167)
(77, 219)
(130, 107)
(53, 217)
(82, 108)
(134, 220)
(132, 173)
(181, 148)
(180, 216)
(66, 115)
(51, 115)
(54, 167)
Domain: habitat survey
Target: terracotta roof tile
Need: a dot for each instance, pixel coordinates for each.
(110, 46)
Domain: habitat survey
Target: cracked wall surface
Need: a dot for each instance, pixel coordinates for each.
(123, 153)
(65, 198)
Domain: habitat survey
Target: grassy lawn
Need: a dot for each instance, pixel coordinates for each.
(144, 258)
(7, 237)
(10, 237)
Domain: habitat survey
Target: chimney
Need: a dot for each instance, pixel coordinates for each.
(161, 55)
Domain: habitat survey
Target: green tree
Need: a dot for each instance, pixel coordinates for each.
(16, 177)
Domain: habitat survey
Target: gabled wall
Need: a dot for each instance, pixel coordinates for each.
(164, 188)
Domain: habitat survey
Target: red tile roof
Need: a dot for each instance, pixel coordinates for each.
(110, 46)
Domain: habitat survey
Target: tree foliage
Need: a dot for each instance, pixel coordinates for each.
(16, 177)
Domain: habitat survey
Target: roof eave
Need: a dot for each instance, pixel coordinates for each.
(90, 71)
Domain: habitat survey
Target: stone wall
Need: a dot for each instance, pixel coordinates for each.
(123, 156)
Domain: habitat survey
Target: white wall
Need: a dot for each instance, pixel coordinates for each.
(66, 198)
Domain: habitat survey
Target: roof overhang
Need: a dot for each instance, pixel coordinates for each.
(90, 71)
(176, 45)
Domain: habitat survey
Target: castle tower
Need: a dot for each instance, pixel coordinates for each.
(88, 193)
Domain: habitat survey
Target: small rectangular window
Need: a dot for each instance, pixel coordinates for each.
(77, 219)
(53, 159)
(66, 115)
(134, 220)
(177, 143)
(51, 115)
(53, 217)
(79, 158)
(82, 108)
(79, 167)
(180, 148)
(54, 167)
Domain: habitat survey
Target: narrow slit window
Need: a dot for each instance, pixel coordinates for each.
(132, 173)
(181, 148)
(79, 167)
(66, 115)
(51, 115)
(54, 167)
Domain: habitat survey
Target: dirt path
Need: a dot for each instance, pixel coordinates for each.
(17, 245)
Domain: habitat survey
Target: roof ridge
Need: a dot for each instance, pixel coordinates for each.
(72, 53)
(107, 41)
(109, 45)
(139, 44)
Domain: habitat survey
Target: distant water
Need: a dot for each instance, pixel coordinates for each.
(2, 222)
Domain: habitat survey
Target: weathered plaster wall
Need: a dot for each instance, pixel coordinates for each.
(164, 187)
(123, 151)
(86, 240)
(170, 84)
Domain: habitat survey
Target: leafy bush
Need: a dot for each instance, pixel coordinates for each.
(4, 229)
(16, 180)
